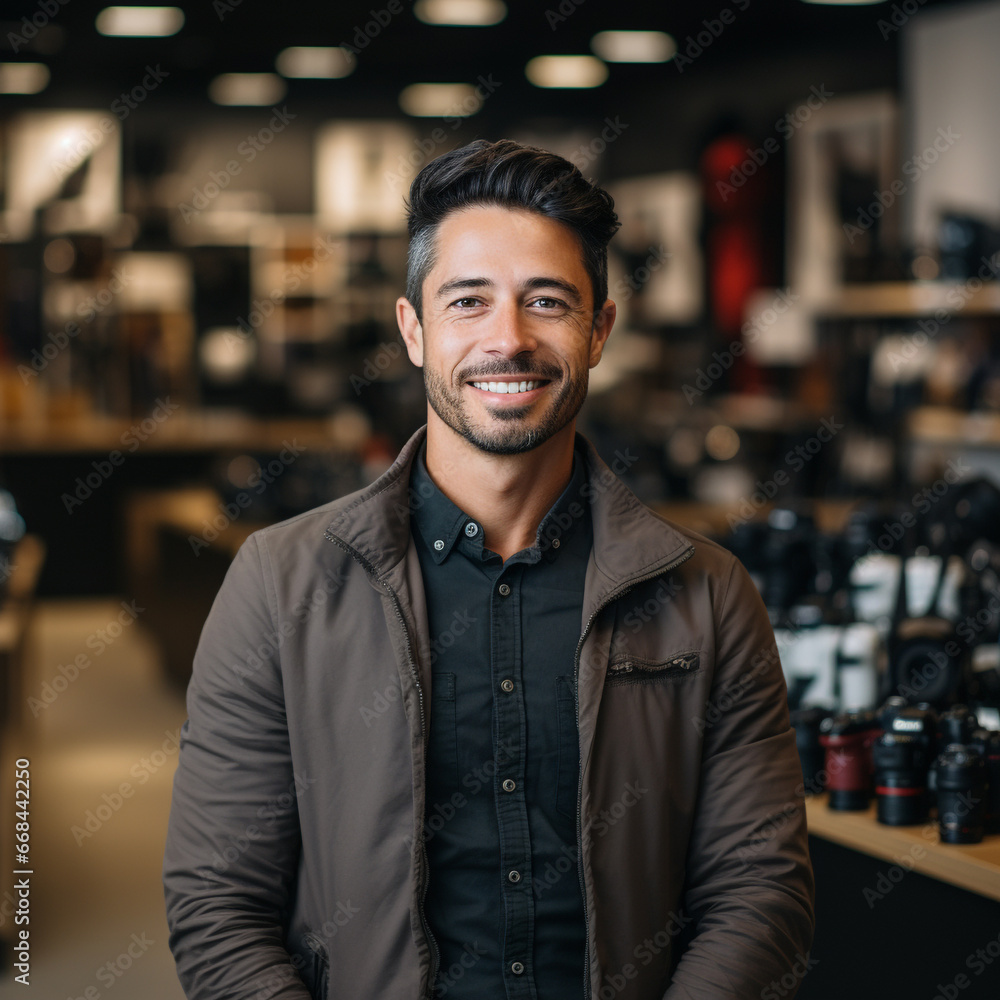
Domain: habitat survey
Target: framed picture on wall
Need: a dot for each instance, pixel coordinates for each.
(845, 192)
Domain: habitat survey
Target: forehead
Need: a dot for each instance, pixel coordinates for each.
(506, 239)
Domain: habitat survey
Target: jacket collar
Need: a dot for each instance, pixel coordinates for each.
(631, 542)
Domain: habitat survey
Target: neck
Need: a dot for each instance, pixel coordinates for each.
(508, 495)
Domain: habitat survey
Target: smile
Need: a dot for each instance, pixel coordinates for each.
(510, 388)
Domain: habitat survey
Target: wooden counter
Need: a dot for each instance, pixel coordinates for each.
(975, 867)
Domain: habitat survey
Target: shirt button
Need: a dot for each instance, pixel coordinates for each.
(504, 589)
(555, 543)
(517, 968)
(472, 529)
(507, 684)
(514, 876)
(439, 544)
(508, 785)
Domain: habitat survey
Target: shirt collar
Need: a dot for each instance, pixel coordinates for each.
(442, 524)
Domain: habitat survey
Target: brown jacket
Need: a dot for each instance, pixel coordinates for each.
(294, 865)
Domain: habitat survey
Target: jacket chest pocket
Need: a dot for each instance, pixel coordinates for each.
(626, 669)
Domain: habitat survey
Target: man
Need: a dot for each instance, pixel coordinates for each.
(490, 727)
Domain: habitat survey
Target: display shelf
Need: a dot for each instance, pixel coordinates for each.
(943, 426)
(975, 867)
(913, 298)
(182, 431)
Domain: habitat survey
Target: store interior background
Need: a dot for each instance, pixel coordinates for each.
(197, 278)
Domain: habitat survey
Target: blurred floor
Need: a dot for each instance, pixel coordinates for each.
(103, 749)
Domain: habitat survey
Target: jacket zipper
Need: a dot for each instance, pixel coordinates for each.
(425, 873)
(613, 596)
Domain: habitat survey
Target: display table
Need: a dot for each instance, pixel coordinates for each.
(975, 867)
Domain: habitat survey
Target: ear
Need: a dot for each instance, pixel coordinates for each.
(411, 330)
(602, 329)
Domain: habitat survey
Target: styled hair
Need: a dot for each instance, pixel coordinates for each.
(510, 175)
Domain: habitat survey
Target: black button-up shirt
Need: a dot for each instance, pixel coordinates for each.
(504, 899)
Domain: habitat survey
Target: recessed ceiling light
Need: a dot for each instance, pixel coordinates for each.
(247, 88)
(140, 22)
(315, 62)
(23, 78)
(566, 71)
(473, 13)
(634, 46)
(436, 100)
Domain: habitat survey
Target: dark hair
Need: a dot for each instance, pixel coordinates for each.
(511, 175)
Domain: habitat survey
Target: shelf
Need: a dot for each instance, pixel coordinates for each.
(179, 432)
(942, 426)
(904, 299)
(975, 867)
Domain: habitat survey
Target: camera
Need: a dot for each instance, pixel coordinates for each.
(961, 794)
(847, 739)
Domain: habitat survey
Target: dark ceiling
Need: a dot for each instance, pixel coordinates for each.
(246, 35)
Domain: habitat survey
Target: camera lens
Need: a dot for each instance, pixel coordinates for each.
(806, 722)
(961, 794)
(900, 779)
(847, 739)
(987, 744)
(957, 725)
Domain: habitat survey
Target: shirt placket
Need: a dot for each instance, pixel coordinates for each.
(509, 758)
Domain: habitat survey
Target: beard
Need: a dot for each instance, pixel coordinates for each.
(510, 431)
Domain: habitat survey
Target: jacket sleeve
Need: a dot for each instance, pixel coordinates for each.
(749, 882)
(233, 838)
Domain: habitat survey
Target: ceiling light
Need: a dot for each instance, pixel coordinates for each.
(845, 3)
(435, 100)
(23, 78)
(566, 71)
(475, 13)
(140, 22)
(634, 46)
(247, 88)
(315, 62)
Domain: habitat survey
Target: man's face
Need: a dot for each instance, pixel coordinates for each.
(507, 337)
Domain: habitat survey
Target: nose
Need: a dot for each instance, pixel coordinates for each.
(510, 332)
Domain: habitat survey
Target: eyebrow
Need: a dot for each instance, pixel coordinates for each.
(532, 284)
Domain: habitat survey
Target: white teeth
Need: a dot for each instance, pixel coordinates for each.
(506, 387)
